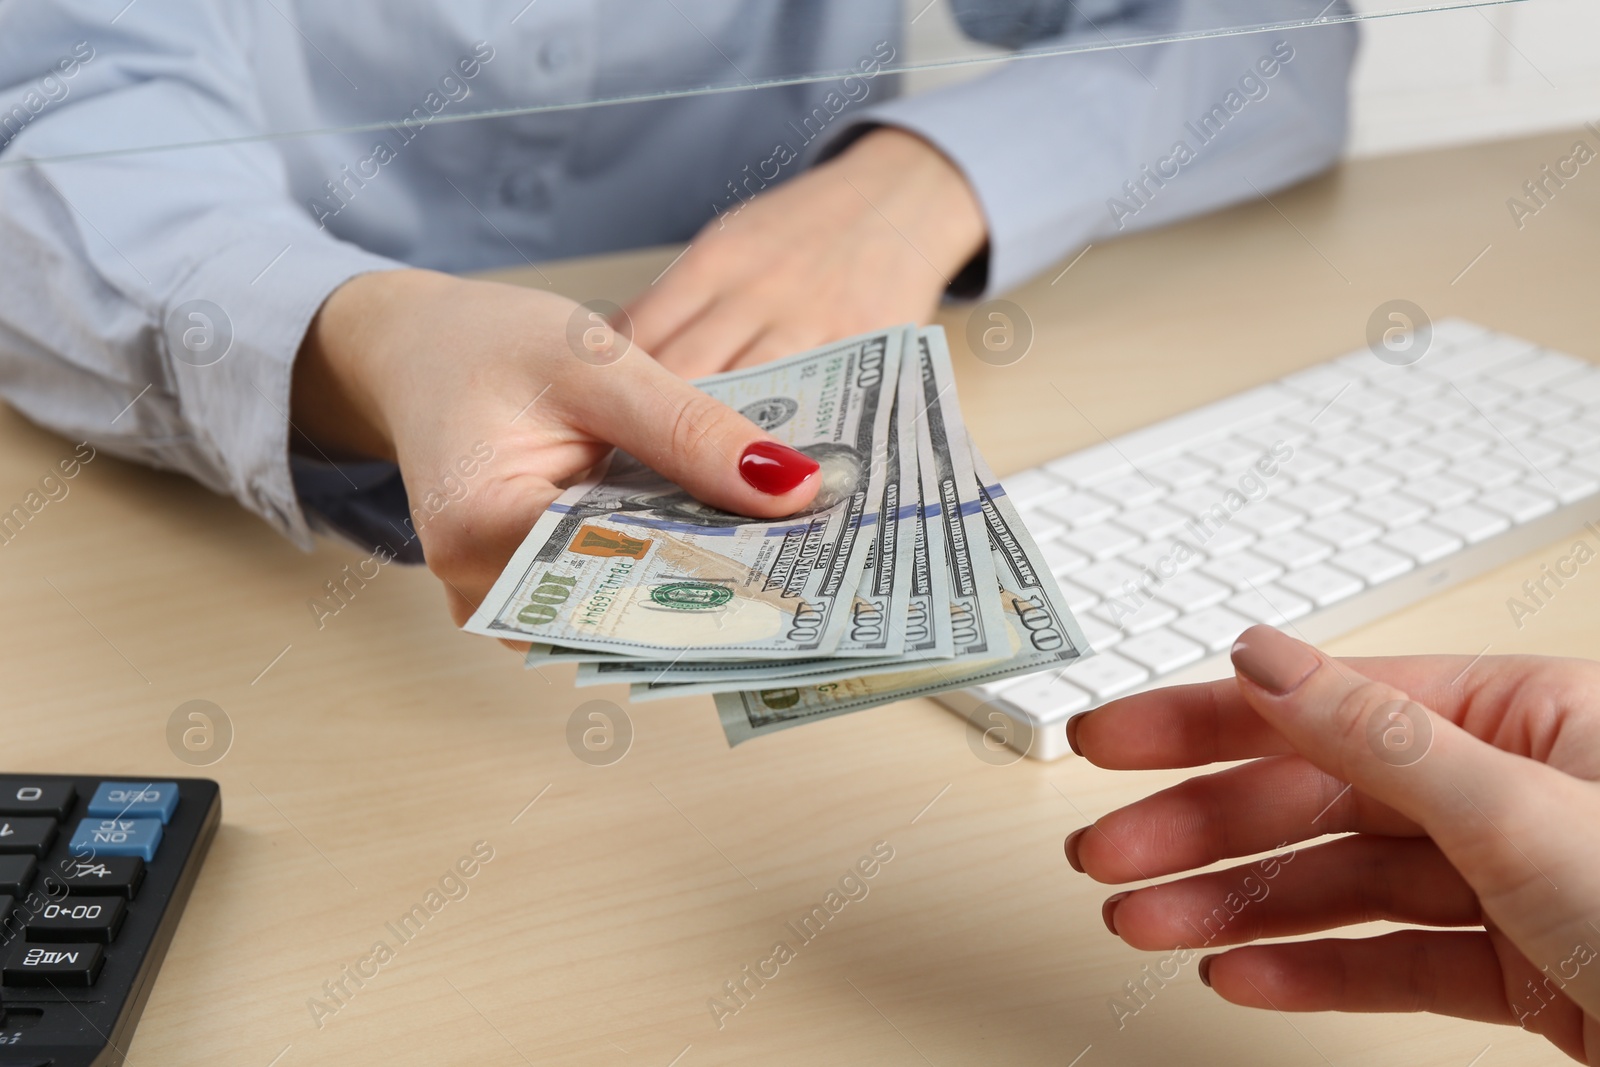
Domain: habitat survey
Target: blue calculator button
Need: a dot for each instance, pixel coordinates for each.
(116, 837)
(135, 800)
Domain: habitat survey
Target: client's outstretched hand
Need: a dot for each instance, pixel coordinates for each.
(1468, 791)
(438, 372)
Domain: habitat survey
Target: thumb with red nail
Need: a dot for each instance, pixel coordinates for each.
(1466, 799)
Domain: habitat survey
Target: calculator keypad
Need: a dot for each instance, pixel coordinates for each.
(95, 872)
(65, 909)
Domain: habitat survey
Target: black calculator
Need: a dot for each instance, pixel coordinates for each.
(94, 874)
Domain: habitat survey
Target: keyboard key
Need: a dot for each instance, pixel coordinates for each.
(1574, 436)
(1508, 423)
(1109, 578)
(1191, 592)
(16, 872)
(1161, 651)
(1228, 454)
(1088, 466)
(1459, 442)
(1442, 411)
(1294, 550)
(1411, 462)
(1242, 569)
(1488, 394)
(1438, 491)
(1344, 530)
(1534, 453)
(1471, 523)
(1215, 627)
(116, 837)
(1181, 472)
(1078, 598)
(1570, 484)
(1423, 543)
(1542, 408)
(1352, 446)
(1531, 374)
(82, 919)
(1196, 499)
(95, 876)
(135, 800)
(1047, 696)
(44, 965)
(1363, 479)
(1370, 400)
(1145, 616)
(1101, 635)
(1152, 521)
(1322, 584)
(1485, 472)
(1309, 464)
(1584, 387)
(1391, 510)
(1040, 525)
(1373, 563)
(1062, 558)
(1409, 383)
(1163, 556)
(1487, 355)
(1316, 498)
(1079, 509)
(1102, 541)
(1280, 431)
(1333, 418)
(1322, 382)
(1586, 464)
(1219, 541)
(1105, 675)
(1130, 490)
(1518, 504)
(1394, 430)
(1030, 488)
(22, 796)
(1268, 519)
(25, 834)
(1271, 604)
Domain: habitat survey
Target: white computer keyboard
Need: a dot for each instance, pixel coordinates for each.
(1319, 502)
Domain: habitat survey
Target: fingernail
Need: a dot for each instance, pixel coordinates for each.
(1108, 910)
(1275, 662)
(1204, 970)
(775, 469)
(1072, 732)
(1072, 848)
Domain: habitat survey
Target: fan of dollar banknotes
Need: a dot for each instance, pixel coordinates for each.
(910, 573)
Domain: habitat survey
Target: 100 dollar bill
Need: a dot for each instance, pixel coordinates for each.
(632, 564)
(1041, 634)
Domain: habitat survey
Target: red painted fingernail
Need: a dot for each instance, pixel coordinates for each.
(1072, 733)
(1072, 848)
(1108, 910)
(1274, 661)
(775, 469)
(1204, 970)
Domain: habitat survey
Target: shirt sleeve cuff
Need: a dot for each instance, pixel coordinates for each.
(231, 331)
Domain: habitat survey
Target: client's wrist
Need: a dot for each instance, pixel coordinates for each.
(921, 192)
(344, 368)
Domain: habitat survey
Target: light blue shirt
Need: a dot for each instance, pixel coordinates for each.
(102, 260)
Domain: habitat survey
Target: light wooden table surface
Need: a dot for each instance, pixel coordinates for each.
(371, 755)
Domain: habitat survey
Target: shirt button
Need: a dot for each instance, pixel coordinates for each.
(557, 54)
(525, 189)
